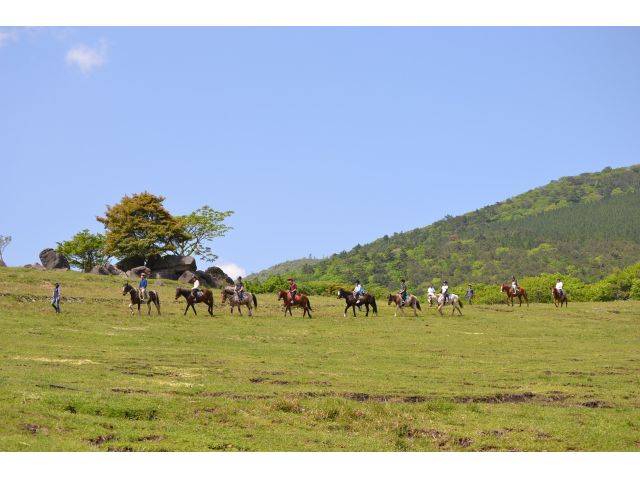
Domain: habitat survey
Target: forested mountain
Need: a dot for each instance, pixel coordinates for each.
(586, 226)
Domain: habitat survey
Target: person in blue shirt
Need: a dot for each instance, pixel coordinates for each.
(240, 288)
(142, 287)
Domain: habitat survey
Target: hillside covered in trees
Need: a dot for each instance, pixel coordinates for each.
(585, 226)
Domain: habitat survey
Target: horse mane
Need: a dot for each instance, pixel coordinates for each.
(229, 290)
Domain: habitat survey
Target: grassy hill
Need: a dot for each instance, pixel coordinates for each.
(584, 226)
(94, 378)
(302, 265)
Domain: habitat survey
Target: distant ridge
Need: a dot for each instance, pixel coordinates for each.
(585, 225)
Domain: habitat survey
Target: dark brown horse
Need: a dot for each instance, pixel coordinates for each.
(509, 291)
(559, 298)
(135, 298)
(365, 300)
(301, 301)
(205, 297)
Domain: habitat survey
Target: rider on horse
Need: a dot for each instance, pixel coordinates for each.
(514, 285)
(195, 289)
(559, 288)
(142, 286)
(239, 288)
(293, 289)
(445, 292)
(403, 291)
(358, 291)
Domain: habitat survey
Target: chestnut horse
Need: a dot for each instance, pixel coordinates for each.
(412, 301)
(135, 298)
(509, 291)
(559, 298)
(205, 297)
(365, 300)
(301, 301)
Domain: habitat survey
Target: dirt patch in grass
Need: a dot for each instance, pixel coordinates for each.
(99, 440)
(35, 428)
(61, 387)
(233, 396)
(125, 448)
(128, 390)
(596, 404)
(150, 438)
(500, 398)
(257, 380)
(425, 433)
(463, 442)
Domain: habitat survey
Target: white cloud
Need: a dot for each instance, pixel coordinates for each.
(6, 36)
(233, 270)
(88, 58)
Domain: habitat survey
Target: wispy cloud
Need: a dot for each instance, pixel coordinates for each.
(233, 270)
(6, 36)
(87, 58)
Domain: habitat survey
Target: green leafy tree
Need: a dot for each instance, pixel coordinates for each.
(4, 241)
(85, 250)
(201, 226)
(140, 226)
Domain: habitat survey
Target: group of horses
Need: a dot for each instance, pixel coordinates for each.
(249, 300)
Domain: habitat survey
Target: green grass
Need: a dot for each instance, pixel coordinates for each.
(499, 378)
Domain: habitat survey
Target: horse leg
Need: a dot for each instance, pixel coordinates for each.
(131, 308)
(185, 310)
(194, 309)
(354, 309)
(366, 305)
(157, 303)
(345, 310)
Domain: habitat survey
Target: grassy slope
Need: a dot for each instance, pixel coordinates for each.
(94, 378)
(576, 225)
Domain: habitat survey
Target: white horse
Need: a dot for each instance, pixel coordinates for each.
(432, 297)
(230, 295)
(452, 299)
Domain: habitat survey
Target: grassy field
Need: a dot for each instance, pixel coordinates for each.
(497, 379)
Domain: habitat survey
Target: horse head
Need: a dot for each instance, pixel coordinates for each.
(282, 295)
(126, 288)
(178, 293)
(391, 298)
(341, 293)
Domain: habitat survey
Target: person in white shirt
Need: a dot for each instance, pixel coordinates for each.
(196, 286)
(431, 290)
(559, 287)
(445, 291)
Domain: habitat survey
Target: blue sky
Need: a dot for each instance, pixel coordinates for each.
(318, 138)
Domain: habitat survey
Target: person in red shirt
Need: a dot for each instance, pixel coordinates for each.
(293, 289)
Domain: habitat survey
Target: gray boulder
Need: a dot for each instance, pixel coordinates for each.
(165, 274)
(36, 266)
(137, 272)
(177, 263)
(187, 277)
(51, 259)
(219, 279)
(127, 264)
(107, 269)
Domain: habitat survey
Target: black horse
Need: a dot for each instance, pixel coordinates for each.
(365, 300)
(152, 297)
(205, 297)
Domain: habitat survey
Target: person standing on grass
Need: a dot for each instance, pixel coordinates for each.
(55, 298)
(470, 293)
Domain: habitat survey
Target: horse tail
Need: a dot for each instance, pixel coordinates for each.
(255, 300)
(309, 304)
(460, 302)
(373, 304)
(418, 304)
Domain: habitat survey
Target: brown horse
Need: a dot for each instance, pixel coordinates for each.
(135, 298)
(509, 291)
(559, 298)
(230, 294)
(301, 301)
(412, 302)
(365, 300)
(205, 297)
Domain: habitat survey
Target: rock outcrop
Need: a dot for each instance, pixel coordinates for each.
(51, 259)
(136, 272)
(2, 264)
(219, 279)
(107, 269)
(127, 264)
